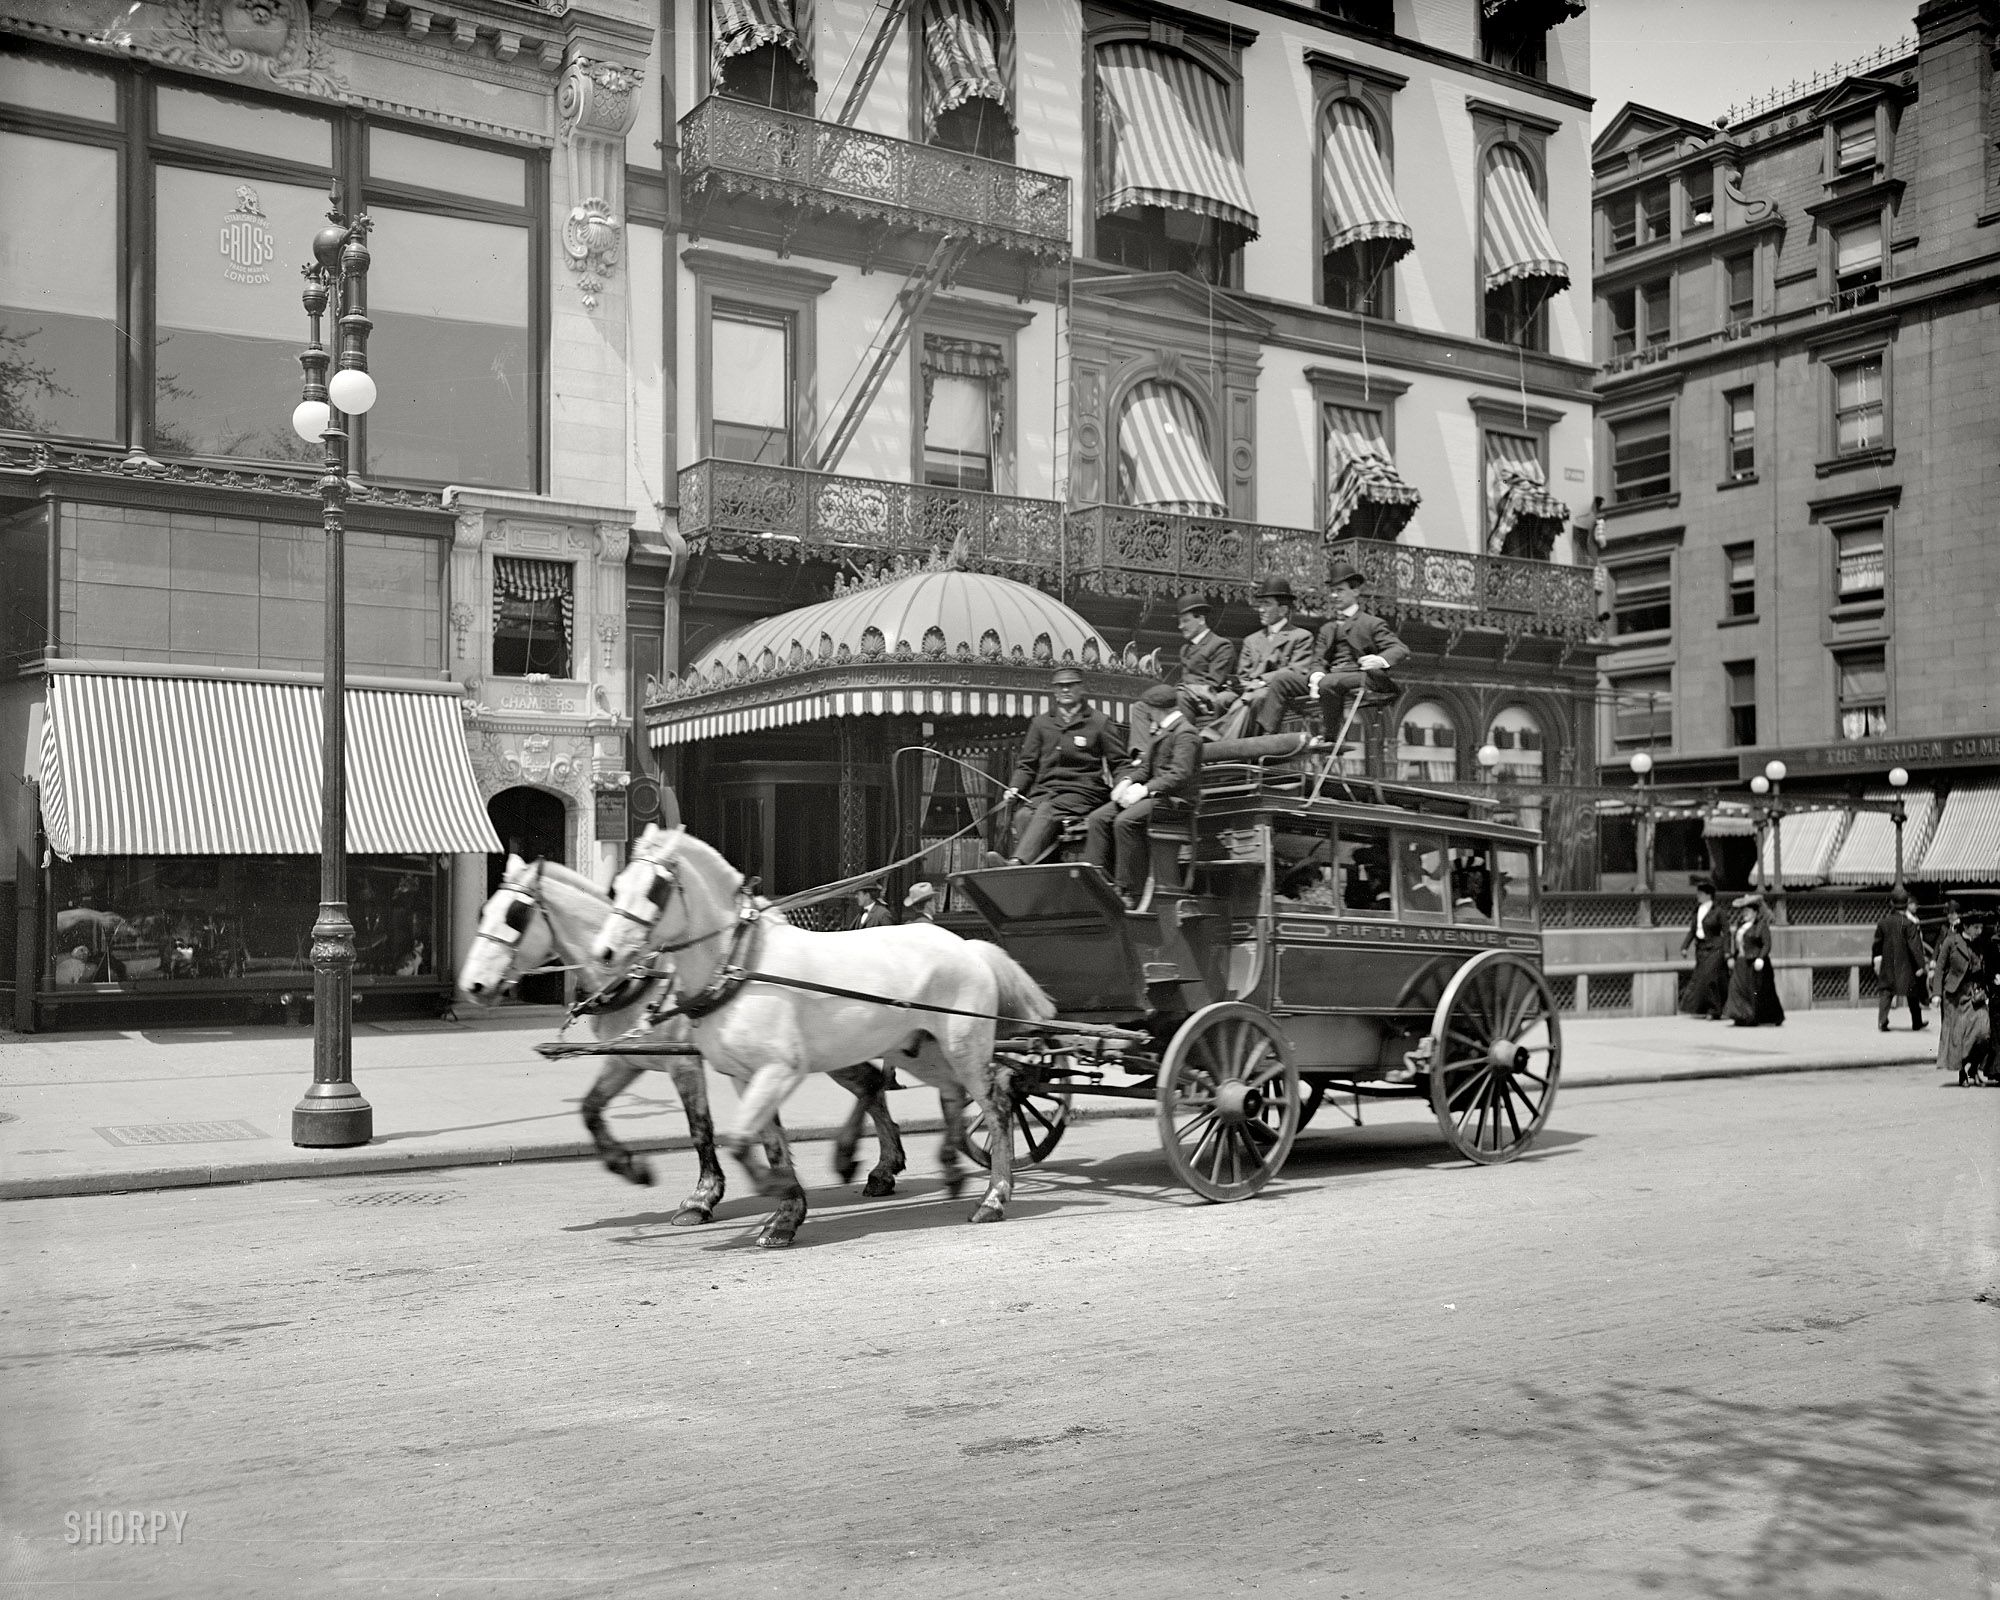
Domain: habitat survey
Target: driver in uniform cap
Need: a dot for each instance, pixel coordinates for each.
(1063, 771)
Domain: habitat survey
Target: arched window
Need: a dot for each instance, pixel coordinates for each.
(1164, 459)
(1172, 195)
(1518, 256)
(761, 51)
(1362, 230)
(1517, 734)
(967, 78)
(1427, 744)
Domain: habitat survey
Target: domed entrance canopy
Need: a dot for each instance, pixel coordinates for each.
(960, 644)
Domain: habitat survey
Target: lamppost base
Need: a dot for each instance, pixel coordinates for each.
(332, 1116)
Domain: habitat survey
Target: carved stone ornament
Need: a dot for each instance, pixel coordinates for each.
(608, 629)
(590, 246)
(614, 539)
(272, 40)
(461, 624)
(506, 761)
(598, 102)
(469, 529)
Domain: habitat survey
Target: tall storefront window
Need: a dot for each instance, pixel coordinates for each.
(153, 921)
(239, 188)
(58, 288)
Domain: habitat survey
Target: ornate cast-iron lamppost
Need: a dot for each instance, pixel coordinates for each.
(332, 1114)
(1642, 766)
(1898, 777)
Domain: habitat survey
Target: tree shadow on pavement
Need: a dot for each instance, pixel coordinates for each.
(1852, 1498)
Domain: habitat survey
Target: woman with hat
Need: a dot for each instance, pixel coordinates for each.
(1965, 1039)
(1708, 987)
(1753, 980)
(1277, 660)
(1356, 650)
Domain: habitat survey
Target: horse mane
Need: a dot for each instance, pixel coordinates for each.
(555, 871)
(678, 841)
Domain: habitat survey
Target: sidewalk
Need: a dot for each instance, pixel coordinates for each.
(92, 1113)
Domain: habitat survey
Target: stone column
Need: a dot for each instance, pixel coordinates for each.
(468, 896)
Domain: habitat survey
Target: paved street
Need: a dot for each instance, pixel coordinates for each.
(1721, 1338)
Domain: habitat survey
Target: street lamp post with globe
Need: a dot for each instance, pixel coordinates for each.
(333, 1114)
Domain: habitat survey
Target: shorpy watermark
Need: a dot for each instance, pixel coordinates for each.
(123, 1526)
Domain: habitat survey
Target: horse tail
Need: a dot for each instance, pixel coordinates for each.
(1020, 996)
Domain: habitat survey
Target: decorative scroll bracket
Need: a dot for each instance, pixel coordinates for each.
(598, 102)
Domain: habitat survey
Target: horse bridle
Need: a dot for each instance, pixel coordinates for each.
(526, 900)
(660, 894)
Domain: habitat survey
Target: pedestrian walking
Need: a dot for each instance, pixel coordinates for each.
(920, 904)
(874, 914)
(1899, 959)
(1708, 986)
(1753, 980)
(1965, 1026)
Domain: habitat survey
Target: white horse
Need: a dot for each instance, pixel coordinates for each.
(932, 998)
(543, 909)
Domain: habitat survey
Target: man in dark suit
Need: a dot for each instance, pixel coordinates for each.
(1064, 766)
(1356, 651)
(874, 914)
(1899, 959)
(1208, 665)
(1277, 660)
(1168, 767)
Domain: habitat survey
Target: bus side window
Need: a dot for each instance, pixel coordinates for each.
(1471, 882)
(1423, 884)
(1361, 872)
(1514, 884)
(1302, 862)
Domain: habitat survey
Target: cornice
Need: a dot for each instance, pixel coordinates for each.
(720, 264)
(1498, 112)
(1319, 61)
(1492, 411)
(1631, 266)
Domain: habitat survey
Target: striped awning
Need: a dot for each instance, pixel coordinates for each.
(1166, 137)
(1514, 236)
(962, 60)
(1729, 821)
(198, 766)
(1536, 13)
(1359, 468)
(736, 27)
(1805, 840)
(685, 725)
(1868, 853)
(517, 578)
(1163, 456)
(1356, 200)
(1516, 488)
(1965, 848)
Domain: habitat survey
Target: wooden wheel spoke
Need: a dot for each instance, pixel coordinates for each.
(1453, 1097)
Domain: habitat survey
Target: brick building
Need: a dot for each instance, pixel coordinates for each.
(1798, 318)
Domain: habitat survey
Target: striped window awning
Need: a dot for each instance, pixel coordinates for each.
(1356, 200)
(1167, 137)
(963, 60)
(687, 725)
(1805, 840)
(200, 766)
(1729, 820)
(1514, 237)
(1532, 13)
(1360, 470)
(736, 27)
(1517, 489)
(1163, 458)
(1965, 847)
(1868, 854)
(515, 578)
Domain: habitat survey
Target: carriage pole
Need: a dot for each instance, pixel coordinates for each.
(332, 1114)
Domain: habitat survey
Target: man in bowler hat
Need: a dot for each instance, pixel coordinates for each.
(1899, 958)
(1356, 651)
(1277, 660)
(1208, 664)
(1169, 767)
(1064, 768)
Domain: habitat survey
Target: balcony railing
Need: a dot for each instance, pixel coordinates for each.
(1454, 590)
(1136, 550)
(740, 148)
(786, 513)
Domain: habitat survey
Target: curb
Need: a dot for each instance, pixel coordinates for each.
(370, 1163)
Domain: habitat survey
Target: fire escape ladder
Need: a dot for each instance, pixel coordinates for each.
(891, 339)
(889, 14)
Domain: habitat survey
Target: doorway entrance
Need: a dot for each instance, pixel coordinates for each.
(534, 825)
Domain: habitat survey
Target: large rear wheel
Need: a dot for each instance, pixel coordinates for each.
(1228, 1101)
(1496, 1057)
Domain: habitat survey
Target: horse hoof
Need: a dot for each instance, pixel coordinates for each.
(988, 1212)
(777, 1236)
(878, 1184)
(641, 1173)
(952, 1184)
(844, 1169)
(690, 1217)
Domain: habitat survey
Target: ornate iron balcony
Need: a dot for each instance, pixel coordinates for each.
(1457, 591)
(788, 514)
(740, 148)
(1136, 550)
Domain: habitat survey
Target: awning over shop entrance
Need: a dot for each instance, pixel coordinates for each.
(1966, 846)
(1805, 842)
(161, 765)
(1868, 853)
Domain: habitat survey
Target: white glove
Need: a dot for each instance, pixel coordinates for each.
(1312, 683)
(1373, 664)
(1130, 794)
(1014, 795)
(1758, 963)
(1876, 963)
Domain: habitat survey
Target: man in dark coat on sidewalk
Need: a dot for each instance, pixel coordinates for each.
(1064, 766)
(1167, 768)
(1900, 958)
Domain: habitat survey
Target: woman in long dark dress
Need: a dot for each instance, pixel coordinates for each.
(1753, 981)
(1708, 932)
(1966, 1042)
